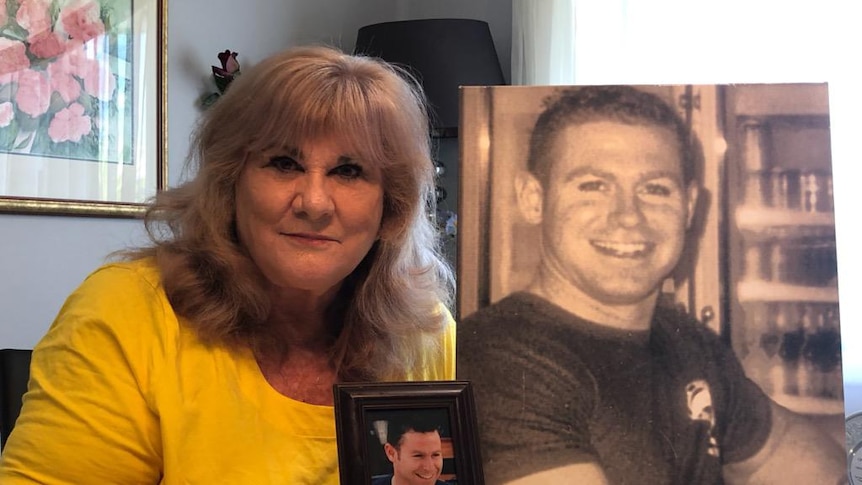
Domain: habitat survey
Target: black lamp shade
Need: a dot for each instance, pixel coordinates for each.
(443, 54)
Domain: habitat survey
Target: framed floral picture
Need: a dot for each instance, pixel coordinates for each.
(82, 93)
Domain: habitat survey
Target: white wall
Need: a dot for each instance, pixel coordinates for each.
(43, 258)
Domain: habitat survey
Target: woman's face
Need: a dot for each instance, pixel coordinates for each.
(309, 216)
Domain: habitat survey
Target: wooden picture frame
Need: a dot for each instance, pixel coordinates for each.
(82, 107)
(359, 406)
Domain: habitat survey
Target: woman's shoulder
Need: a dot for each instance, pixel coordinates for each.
(120, 298)
(142, 272)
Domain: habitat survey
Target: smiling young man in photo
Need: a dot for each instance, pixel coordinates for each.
(584, 377)
(415, 450)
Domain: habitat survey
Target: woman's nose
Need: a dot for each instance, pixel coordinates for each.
(313, 197)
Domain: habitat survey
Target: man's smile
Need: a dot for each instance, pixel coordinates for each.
(622, 249)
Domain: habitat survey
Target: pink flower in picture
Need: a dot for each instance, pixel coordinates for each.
(47, 45)
(70, 124)
(34, 15)
(62, 65)
(34, 93)
(71, 60)
(13, 56)
(81, 20)
(7, 114)
(63, 82)
(99, 82)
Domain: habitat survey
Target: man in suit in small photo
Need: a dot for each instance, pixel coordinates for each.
(414, 447)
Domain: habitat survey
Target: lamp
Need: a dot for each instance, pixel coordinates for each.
(443, 54)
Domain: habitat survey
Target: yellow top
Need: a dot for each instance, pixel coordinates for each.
(121, 392)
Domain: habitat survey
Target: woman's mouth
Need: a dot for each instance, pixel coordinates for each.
(310, 238)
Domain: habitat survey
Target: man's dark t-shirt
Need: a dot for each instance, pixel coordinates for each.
(668, 405)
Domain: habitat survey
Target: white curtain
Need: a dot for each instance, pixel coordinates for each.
(543, 41)
(556, 41)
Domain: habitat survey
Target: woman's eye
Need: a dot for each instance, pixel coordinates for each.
(347, 170)
(592, 186)
(285, 164)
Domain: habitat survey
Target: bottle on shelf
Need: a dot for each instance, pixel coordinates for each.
(823, 352)
(753, 262)
(772, 343)
(762, 344)
(809, 377)
(778, 262)
(756, 177)
(833, 387)
(790, 352)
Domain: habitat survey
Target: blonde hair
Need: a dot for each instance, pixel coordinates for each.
(392, 301)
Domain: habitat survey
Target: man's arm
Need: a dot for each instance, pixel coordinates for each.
(795, 451)
(578, 473)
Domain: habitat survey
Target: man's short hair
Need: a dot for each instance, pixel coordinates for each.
(624, 104)
(414, 420)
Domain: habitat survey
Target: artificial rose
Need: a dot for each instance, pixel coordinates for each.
(229, 64)
(13, 56)
(229, 69)
(70, 124)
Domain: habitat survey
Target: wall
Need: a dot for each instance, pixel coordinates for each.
(43, 258)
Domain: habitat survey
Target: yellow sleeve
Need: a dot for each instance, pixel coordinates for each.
(86, 417)
(438, 361)
(449, 348)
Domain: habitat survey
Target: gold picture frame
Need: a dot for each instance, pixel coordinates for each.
(83, 117)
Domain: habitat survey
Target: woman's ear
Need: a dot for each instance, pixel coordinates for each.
(530, 195)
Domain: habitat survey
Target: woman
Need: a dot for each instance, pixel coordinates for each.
(299, 256)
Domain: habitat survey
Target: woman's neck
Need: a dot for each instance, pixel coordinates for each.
(295, 357)
(299, 318)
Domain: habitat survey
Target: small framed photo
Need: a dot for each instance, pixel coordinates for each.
(82, 106)
(424, 430)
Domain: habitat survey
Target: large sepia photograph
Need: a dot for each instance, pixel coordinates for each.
(648, 284)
